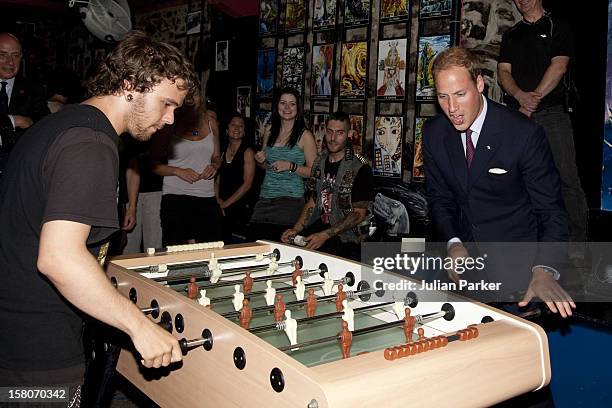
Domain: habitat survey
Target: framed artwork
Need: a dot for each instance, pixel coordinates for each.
(418, 170)
(356, 132)
(293, 68)
(429, 48)
(391, 78)
(193, 22)
(266, 62)
(394, 10)
(295, 15)
(243, 101)
(324, 15)
(356, 12)
(263, 123)
(222, 56)
(353, 70)
(268, 17)
(322, 70)
(317, 122)
(387, 159)
(435, 8)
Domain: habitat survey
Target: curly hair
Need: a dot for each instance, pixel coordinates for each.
(144, 63)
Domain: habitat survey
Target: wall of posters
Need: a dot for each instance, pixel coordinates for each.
(268, 17)
(606, 173)
(295, 15)
(324, 14)
(356, 12)
(266, 62)
(394, 10)
(317, 126)
(435, 8)
(263, 122)
(429, 47)
(418, 170)
(391, 78)
(353, 72)
(357, 132)
(293, 68)
(243, 101)
(387, 158)
(322, 70)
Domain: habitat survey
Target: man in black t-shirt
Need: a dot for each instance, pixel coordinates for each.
(58, 204)
(341, 192)
(533, 61)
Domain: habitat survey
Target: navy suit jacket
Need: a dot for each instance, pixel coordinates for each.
(522, 205)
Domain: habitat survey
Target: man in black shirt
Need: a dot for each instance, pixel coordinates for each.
(533, 60)
(58, 204)
(341, 192)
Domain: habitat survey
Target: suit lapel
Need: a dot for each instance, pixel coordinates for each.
(17, 95)
(454, 147)
(486, 147)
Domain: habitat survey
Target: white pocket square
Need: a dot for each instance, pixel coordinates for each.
(497, 170)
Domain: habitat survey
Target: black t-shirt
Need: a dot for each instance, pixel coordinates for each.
(64, 168)
(141, 151)
(529, 48)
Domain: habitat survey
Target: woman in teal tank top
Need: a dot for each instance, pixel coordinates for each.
(287, 156)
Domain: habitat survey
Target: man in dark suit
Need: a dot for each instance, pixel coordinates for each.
(21, 103)
(491, 178)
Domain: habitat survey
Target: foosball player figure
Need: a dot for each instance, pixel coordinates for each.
(247, 283)
(346, 338)
(192, 289)
(340, 296)
(409, 323)
(245, 314)
(279, 309)
(296, 272)
(422, 340)
(311, 303)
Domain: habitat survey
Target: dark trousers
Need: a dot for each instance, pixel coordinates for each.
(185, 218)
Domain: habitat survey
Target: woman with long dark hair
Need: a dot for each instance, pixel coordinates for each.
(287, 155)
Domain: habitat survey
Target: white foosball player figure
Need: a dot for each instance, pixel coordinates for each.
(300, 288)
(272, 267)
(212, 262)
(259, 257)
(328, 284)
(400, 309)
(348, 315)
(238, 298)
(290, 327)
(203, 300)
(216, 274)
(270, 293)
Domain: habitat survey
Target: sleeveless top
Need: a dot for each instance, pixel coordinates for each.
(283, 184)
(232, 174)
(194, 155)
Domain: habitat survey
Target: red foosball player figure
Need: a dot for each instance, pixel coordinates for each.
(247, 283)
(311, 303)
(297, 272)
(340, 296)
(409, 323)
(346, 338)
(279, 309)
(192, 289)
(245, 314)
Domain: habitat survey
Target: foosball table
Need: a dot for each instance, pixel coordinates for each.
(273, 325)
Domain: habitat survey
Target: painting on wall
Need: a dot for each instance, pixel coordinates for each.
(268, 17)
(295, 15)
(356, 12)
(263, 123)
(435, 8)
(293, 68)
(193, 22)
(391, 77)
(353, 71)
(322, 70)
(418, 171)
(356, 133)
(324, 15)
(606, 173)
(387, 158)
(222, 56)
(317, 125)
(266, 62)
(243, 101)
(394, 10)
(429, 48)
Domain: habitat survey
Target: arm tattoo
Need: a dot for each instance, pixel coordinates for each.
(349, 221)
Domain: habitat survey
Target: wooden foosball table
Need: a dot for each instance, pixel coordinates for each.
(254, 337)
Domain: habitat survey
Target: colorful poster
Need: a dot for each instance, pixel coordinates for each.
(388, 132)
(324, 14)
(353, 72)
(606, 173)
(390, 83)
(243, 101)
(293, 68)
(318, 122)
(356, 12)
(322, 70)
(394, 10)
(435, 8)
(263, 123)
(418, 171)
(295, 15)
(268, 17)
(356, 133)
(266, 62)
(429, 47)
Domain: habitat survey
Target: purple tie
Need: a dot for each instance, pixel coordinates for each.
(469, 147)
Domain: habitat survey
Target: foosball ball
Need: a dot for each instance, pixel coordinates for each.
(273, 325)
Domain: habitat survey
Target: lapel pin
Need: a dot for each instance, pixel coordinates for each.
(488, 147)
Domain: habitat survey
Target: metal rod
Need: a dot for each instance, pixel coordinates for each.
(206, 275)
